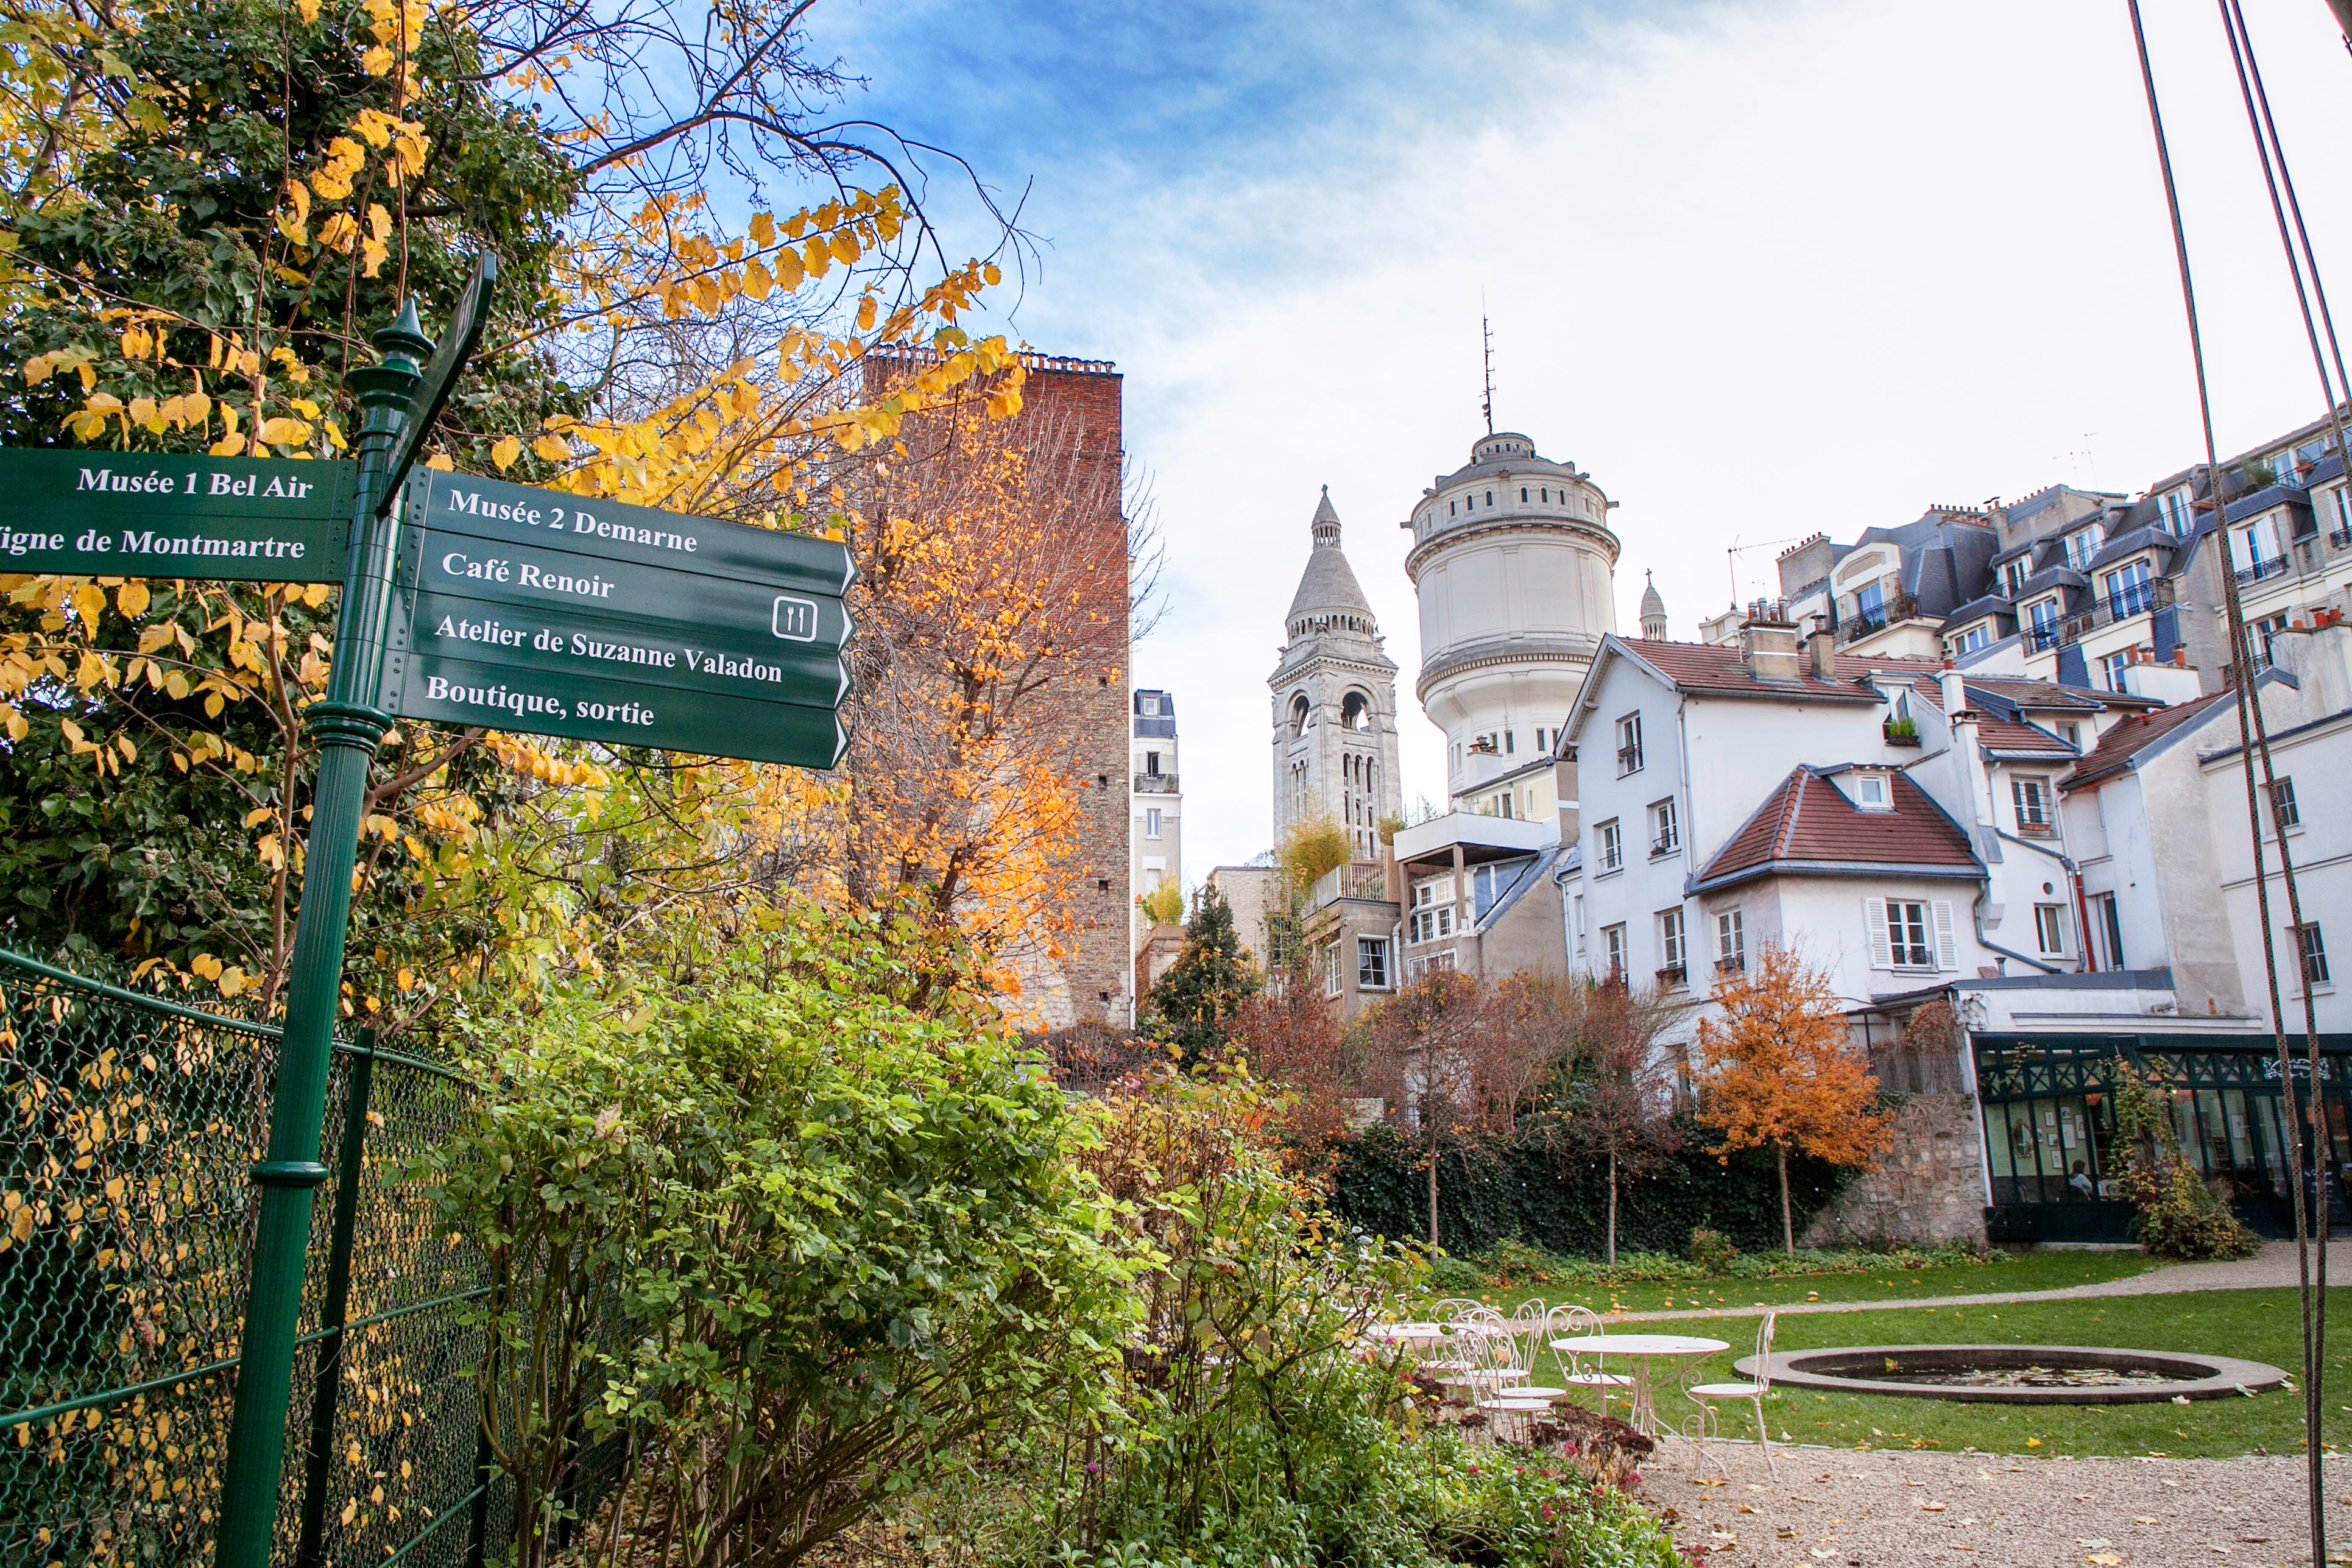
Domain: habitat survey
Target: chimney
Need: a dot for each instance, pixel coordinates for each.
(1955, 692)
(1821, 644)
(1768, 644)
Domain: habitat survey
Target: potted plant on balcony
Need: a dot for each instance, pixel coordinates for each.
(1902, 730)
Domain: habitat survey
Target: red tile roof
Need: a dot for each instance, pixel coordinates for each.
(2126, 740)
(1809, 822)
(1718, 670)
(2003, 736)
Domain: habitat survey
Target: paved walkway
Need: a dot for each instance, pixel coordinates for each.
(2271, 1267)
(1842, 1508)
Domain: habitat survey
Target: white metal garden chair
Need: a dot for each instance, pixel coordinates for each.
(1500, 1389)
(1705, 1426)
(1574, 1322)
(1462, 1360)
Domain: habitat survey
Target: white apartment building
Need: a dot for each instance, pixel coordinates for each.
(1155, 807)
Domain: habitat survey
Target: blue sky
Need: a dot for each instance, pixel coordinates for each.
(1760, 268)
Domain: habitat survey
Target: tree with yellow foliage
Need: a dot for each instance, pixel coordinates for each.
(209, 204)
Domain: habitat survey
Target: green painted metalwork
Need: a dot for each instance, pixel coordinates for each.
(130, 1122)
(348, 727)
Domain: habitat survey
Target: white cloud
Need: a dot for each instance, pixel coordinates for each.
(1766, 269)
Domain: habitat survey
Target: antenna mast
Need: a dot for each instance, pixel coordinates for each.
(1486, 332)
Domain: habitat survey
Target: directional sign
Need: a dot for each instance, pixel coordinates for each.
(130, 514)
(530, 609)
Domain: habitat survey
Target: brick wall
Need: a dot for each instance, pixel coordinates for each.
(1088, 401)
(1072, 423)
(1928, 1187)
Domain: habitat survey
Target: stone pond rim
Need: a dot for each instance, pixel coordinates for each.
(1841, 1369)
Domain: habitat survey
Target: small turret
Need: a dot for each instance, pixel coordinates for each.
(1654, 612)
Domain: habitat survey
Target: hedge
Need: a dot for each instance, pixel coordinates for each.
(1562, 1206)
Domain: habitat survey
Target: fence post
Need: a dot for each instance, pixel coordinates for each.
(326, 1386)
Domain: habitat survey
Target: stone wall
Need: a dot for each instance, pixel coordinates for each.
(1929, 1185)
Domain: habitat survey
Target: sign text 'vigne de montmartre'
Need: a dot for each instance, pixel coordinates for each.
(94, 513)
(527, 609)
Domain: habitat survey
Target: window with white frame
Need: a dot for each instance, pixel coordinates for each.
(1976, 637)
(2284, 813)
(2262, 634)
(1629, 744)
(2084, 544)
(2176, 512)
(1671, 969)
(1910, 934)
(1609, 846)
(2050, 928)
(1870, 793)
(1371, 963)
(2042, 617)
(1612, 947)
(2113, 669)
(1433, 911)
(1730, 943)
(2107, 932)
(2127, 590)
(2315, 954)
(2031, 798)
(1664, 837)
(1151, 822)
(1331, 969)
(2013, 575)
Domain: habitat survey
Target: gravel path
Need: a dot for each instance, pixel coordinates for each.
(2271, 1268)
(1831, 1507)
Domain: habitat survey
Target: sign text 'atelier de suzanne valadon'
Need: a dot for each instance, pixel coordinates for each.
(521, 608)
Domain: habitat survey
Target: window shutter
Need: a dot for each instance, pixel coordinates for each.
(1874, 920)
(1947, 951)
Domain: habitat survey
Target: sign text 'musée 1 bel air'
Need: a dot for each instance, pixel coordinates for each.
(134, 514)
(530, 609)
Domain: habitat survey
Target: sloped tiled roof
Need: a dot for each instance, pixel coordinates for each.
(2126, 740)
(2008, 738)
(1808, 825)
(2034, 694)
(1716, 668)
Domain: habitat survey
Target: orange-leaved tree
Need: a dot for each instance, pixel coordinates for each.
(1779, 1073)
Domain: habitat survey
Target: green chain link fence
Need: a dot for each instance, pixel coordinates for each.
(128, 1127)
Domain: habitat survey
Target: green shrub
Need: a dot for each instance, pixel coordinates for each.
(2181, 1215)
(796, 1241)
(1712, 1250)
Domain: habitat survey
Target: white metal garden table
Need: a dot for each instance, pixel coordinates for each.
(1678, 1351)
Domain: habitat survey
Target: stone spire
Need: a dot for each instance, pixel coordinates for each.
(1654, 612)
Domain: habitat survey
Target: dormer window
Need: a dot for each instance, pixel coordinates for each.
(1871, 793)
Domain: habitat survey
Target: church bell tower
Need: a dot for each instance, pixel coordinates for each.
(1334, 702)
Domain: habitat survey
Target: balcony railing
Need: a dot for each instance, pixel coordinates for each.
(2260, 570)
(1671, 977)
(2042, 639)
(1156, 784)
(1902, 608)
(2341, 539)
(1736, 965)
(2115, 607)
(1629, 760)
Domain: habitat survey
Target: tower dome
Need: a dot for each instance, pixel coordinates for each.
(1328, 594)
(1654, 611)
(1514, 564)
(1334, 709)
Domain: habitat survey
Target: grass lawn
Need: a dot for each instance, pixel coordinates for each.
(2019, 1271)
(2257, 1325)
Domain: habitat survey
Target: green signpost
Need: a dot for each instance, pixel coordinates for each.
(472, 602)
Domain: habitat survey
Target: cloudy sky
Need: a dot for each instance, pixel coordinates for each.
(1761, 267)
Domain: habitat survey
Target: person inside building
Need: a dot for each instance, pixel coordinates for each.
(2081, 1182)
